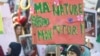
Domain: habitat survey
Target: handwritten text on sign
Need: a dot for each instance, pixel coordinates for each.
(57, 24)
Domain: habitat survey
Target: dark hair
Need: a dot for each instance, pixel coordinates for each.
(15, 48)
(75, 49)
(92, 45)
(17, 26)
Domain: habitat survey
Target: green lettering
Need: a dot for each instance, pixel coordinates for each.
(56, 10)
(69, 29)
(58, 29)
(82, 28)
(45, 22)
(39, 21)
(74, 30)
(71, 10)
(38, 7)
(40, 35)
(45, 35)
(48, 35)
(61, 10)
(66, 7)
(33, 18)
(64, 29)
(45, 7)
(74, 10)
(80, 9)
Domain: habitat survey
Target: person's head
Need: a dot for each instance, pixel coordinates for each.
(14, 49)
(74, 51)
(90, 45)
(19, 18)
(18, 29)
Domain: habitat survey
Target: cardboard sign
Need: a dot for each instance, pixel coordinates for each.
(90, 18)
(1, 24)
(58, 22)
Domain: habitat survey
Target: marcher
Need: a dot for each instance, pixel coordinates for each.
(18, 31)
(73, 51)
(14, 49)
(85, 51)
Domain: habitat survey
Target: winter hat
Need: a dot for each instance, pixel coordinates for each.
(22, 20)
(15, 48)
(75, 49)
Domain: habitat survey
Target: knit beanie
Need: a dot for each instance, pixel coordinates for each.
(15, 48)
(75, 49)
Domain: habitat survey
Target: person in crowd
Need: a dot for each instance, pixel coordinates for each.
(18, 30)
(14, 49)
(1, 51)
(73, 50)
(20, 19)
(63, 49)
(41, 49)
(85, 51)
(51, 50)
(90, 45)
(33, 52)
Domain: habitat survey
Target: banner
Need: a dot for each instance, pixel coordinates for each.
(1, 25)
(57, 22)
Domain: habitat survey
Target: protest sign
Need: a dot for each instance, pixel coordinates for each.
(58, 22)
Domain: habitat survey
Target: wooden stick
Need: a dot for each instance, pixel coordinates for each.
(58, 51)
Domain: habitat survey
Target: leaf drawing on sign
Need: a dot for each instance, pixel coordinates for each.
(80, 17)
(39, 21)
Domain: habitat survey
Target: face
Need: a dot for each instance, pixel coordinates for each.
(90, 46)
(71, 53)
(18, 30)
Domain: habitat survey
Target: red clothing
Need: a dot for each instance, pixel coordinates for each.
(1, 51)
